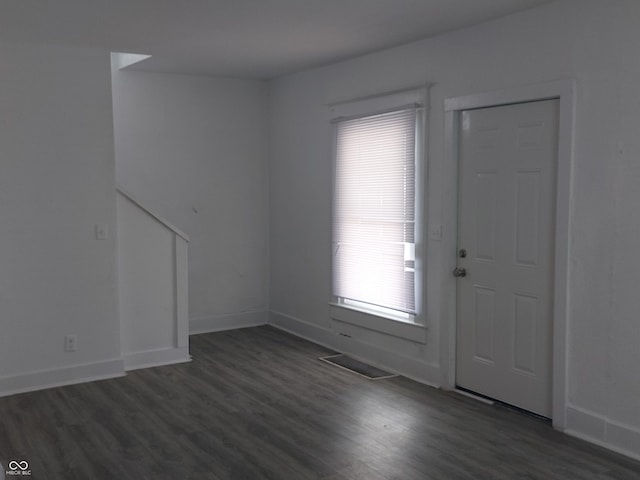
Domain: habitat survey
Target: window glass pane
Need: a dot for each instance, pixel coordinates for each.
(374, 210)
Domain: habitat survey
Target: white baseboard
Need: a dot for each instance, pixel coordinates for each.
(373, 355)
(604, 432)
(230, 321)
(302, 329)
(59, 377)
(156, 358)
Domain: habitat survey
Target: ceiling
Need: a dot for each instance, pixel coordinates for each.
(242, 38)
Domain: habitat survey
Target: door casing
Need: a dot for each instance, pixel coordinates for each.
(564, 91)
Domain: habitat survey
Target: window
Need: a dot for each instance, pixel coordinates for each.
(374, 212)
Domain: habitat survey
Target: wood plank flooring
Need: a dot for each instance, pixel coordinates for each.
(258, 404)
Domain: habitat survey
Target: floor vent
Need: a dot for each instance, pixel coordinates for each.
(356, 366)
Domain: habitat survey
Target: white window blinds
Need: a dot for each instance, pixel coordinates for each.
(374, 210)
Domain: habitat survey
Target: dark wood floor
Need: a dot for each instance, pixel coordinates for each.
(258, 404)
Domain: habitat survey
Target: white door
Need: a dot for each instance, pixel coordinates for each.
(506, 218)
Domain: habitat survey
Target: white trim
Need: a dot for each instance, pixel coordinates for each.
(417, 370)
(58, 377)
(375, 310)
(527, 93)
(606, 433)
(564, 90)
(156, 358)
(157, 217)
(230, 321)
(422, 207)
(313, 333)
(374, 113)
(379, 323)
(406, 92)
(420, 96)
(181, 285)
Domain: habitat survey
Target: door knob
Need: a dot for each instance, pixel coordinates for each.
(460, 272)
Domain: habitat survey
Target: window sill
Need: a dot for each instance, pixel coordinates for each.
(397, 328)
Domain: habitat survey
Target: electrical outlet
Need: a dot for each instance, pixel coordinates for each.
(70, 343)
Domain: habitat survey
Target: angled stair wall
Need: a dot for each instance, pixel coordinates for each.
(152, 286)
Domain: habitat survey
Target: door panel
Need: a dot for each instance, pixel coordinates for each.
(485, 310)
(486, 200)
(506, 225)
(527, 217)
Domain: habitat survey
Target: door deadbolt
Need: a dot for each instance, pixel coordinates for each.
(462, 253)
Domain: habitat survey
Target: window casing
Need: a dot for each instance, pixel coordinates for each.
(376, 214)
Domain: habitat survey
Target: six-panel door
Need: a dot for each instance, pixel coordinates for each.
(506, 225)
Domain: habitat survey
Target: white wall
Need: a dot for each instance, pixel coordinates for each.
(194, 150)
(56, 183)
(592, 41)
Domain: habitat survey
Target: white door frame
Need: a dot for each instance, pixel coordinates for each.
(564, 90)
